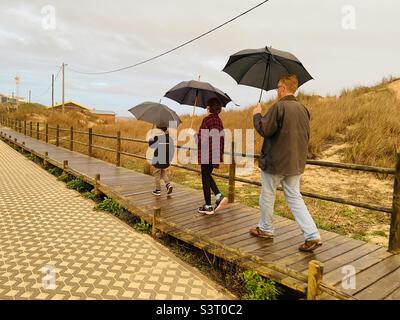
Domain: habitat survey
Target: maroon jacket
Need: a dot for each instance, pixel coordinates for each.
(211, 137)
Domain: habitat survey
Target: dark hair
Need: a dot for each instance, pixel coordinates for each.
(163, 128)
(214, 105)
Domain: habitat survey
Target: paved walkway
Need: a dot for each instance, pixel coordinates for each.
(54, 246)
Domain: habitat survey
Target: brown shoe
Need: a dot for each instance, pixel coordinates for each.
(310, 245)
(257, 232)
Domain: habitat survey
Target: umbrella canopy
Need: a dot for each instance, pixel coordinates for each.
(262, 68)
(196, 93)
(156, 113)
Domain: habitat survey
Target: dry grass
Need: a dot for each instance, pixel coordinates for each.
(365, 118)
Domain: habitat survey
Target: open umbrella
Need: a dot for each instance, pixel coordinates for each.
(196, 94)
(155, 113)
(262, 68)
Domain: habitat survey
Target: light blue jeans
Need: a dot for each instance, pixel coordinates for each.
(291, 189)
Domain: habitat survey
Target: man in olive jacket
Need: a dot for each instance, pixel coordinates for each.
(286, 132)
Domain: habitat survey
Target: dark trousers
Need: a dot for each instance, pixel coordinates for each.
(208, 182)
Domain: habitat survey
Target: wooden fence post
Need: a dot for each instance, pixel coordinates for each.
(232, 174)
(71, 139)
(58, 135)
(65, 165)
(30, 129)
(37, 131)
(90, 142)
(24, 127)
(394, 237)
(46, 157)
(95, 190)
(156, 215)
(315, 273)
(118, 160)
(47, 132)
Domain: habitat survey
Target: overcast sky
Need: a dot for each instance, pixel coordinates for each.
(99, 35)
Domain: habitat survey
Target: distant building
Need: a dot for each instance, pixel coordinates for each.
(104, 116)
(70, 105)
(10, 99)
(107, 116)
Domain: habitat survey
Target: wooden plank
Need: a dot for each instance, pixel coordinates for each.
(283, 248)
(382, 288)
(328, 244)
(248, 237)
(348, 257)
(363, 263)
(237, 219)
(326, 255)
(285, 227)
(243, 230)
(217, 219)
(395, 295)
(150, 200)
(189, 219)
(374, 273)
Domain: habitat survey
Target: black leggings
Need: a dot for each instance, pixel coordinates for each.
(208, 182)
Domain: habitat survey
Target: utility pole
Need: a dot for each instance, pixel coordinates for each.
(17, 83)
(30, 94)
(52, 90)
(63, 86)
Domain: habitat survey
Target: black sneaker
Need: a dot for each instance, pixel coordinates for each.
(169, 188)
(208, 210)
(220, 203)
(157, 192)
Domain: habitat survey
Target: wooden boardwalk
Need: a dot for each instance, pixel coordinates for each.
(227, 234)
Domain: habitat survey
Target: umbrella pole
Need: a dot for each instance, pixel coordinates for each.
(265, 76)
(194, 110)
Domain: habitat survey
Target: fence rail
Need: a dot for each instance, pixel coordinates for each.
(394, 238)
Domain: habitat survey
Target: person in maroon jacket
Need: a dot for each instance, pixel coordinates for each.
(210, 144)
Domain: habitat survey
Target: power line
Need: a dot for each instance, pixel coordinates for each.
(47, 90)
(175, 48)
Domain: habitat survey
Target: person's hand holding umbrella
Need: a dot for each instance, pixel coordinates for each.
(257, 109)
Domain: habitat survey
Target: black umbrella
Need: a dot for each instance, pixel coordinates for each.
(262, 68)
(155, 113)
(196, 93)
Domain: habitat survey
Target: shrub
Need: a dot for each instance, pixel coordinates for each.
(258, 288)
(64, 177)
(79, 185)
(110, 205)
(142, 227)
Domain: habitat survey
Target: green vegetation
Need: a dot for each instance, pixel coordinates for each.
(258, 288)
(64, 177)
(55, 171)
(110, 205)
(142, 227)
(91, 196)
(79, 185)
(379, 233)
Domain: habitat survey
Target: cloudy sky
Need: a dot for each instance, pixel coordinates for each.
(342, 44)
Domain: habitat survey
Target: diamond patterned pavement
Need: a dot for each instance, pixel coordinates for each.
(54, 246)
